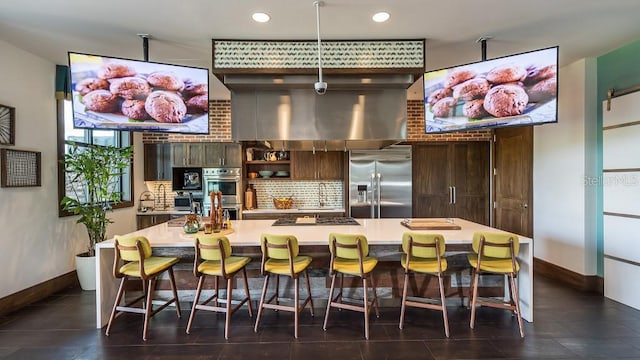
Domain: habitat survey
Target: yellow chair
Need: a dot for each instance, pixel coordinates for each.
(218, 262)
(496, 253)
(423, 254)
(138, 262)
(280, 257)
(350, 255)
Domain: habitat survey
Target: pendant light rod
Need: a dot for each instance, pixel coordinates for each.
(320, 86)
(318, 4)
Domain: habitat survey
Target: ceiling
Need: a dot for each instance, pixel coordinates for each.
(181, 31)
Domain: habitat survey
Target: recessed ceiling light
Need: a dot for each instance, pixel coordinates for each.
(260, 17)
(380, 17)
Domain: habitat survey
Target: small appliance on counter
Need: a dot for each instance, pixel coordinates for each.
(186, 200)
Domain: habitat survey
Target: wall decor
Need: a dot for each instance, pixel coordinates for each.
(20, 168)
(7, 124)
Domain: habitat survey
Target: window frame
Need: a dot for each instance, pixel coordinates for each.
(60, 118)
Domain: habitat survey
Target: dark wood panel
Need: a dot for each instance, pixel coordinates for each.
(438, 167)
(303, 165)
(471, 180)
(572, 279)
(514, 180)
(330, 165)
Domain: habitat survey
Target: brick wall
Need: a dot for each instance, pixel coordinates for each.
(220, 127)
(415, 128)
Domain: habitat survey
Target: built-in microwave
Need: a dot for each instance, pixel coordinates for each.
(187, 179)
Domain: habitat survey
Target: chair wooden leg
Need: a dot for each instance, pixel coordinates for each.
(341, 288)
(296, 299)
(404, 299)
(326, 315)
(374, 302)
(366, 307)
(216, 292)
(474, 298)
(174, 289)
(115, 304)
(228, 312)
(306, 275)
(149, 307)
(516, 298)
(277, 289)
(261, 306)
(196, 300)
(444, 306)
(247, 292)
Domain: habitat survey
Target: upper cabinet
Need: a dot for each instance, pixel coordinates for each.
(222, 155)
(323, 165)
(187, 154)
(157, 162)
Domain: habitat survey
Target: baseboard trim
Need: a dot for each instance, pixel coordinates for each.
(588, 283)
(37, 292)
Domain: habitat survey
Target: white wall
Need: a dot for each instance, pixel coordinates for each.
(560, 233)
(35, 244)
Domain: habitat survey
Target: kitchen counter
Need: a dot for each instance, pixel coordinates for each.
(294, 211)
(168, 211)
(247, 234)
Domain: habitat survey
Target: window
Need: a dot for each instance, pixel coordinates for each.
(85, 137)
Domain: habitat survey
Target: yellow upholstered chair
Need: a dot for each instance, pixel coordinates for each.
(496, 253)
(133, 260)
(350, 255)
(423, 253)
(213, 257)
(280, 256)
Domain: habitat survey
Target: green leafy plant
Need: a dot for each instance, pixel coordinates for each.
(92, 173)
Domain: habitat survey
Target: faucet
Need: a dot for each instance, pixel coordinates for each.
(322, 194)
(164, 195)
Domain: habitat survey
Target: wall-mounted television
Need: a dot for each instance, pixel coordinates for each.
(515, 90)
(122, 94)
(186, 179)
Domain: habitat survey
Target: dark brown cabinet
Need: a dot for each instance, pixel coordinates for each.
(145, 221)
(323, 165)
(452, 180)
(222, 155)
(157, 162)
(187, 154)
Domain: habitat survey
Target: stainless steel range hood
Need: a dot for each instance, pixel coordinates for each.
(357, 112)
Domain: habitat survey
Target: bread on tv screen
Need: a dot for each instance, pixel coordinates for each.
(121, 94)
(515, 90)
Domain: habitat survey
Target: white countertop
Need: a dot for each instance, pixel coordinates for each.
(247, 233)
(294, 211)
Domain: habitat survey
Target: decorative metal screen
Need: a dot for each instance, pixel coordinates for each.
(20, 168)
(336, 54)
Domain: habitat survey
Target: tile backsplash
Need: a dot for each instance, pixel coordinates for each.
(305, 194)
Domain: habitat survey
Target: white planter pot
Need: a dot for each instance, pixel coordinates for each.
(86, 269)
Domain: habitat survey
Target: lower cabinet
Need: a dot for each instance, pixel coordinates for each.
(145, 221)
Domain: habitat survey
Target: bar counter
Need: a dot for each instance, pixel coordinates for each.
(247, 234)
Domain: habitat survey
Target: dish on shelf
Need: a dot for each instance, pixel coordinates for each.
(265, 173)
(252, 175)
(282, 173)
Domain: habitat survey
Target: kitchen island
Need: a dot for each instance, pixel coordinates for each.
(379, 232)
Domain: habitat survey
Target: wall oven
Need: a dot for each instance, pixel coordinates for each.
(227, 181)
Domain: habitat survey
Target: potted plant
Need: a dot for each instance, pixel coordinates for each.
(92, 174)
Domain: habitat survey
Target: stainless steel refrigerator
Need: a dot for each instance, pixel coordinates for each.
(380, 183)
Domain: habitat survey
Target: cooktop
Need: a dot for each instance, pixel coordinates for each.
(318, 221)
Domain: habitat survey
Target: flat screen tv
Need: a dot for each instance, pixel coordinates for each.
(186, 179)
(514, 90)
(122, 94)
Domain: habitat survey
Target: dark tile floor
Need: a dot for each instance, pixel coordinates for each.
(568, 325)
